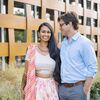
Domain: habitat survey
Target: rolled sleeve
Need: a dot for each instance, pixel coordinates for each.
(89, 59)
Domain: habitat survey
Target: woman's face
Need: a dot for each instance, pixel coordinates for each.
(45, 34)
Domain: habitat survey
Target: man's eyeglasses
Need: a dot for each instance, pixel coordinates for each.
(43, 31)
(61, 25)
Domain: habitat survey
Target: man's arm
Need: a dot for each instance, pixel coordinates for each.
(89, 58)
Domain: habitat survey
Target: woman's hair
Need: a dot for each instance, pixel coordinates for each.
(53, 50)
(70, 17)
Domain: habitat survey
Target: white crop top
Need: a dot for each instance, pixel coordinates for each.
(44, 63)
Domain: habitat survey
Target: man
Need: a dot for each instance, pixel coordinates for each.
(78, 60)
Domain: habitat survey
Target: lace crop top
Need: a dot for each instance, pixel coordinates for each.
(44, 63)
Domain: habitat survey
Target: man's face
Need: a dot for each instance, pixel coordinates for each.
(65, 28)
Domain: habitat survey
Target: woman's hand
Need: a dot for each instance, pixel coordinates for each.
(23, 94)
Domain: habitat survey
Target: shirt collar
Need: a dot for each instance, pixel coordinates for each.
(76, 36)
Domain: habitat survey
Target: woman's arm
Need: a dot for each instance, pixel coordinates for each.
(24, 79)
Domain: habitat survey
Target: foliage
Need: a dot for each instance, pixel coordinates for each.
(19, 35)
(95, 91)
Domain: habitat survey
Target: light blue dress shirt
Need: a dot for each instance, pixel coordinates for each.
(78, 59)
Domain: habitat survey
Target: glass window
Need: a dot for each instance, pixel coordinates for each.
(36, 11)
(72, 2)
(19, 9)
(20, 35)
(49, 14)
(81, 20)
(95, 38)
(95, 22)
(62, 0)
(88, 4)
(88, 36)
(95, 6)
(80, 3)
(88, 21)
(4, 59)
(96, 53)
(3, 6)
(20, 61)
(60, 13)
(3, 35)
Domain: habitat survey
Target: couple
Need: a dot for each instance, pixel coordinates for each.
(43, 68)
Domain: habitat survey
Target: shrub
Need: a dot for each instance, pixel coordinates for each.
(10, 84)
(95, 91)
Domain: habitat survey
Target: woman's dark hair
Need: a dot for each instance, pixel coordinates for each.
(53, 49)
(70, 17)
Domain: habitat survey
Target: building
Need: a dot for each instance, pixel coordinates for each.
(19, 20)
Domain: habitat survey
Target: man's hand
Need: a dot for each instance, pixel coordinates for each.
(87, 85)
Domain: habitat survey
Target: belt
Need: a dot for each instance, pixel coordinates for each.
(44, 75)
(73, 84)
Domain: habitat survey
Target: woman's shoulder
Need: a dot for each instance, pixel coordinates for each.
(32, 45)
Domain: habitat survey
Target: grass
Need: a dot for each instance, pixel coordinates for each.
(10, 83)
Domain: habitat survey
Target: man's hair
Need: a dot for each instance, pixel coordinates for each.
(70, 17)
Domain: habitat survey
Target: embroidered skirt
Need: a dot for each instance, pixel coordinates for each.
(46, 89)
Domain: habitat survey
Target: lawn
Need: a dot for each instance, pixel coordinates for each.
(10, 82)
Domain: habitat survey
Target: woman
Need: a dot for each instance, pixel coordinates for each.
(41, 61)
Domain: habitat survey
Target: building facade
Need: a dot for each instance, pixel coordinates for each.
(19, 20)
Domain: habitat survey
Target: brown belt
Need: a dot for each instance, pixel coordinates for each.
(73, 84)
(44, 76)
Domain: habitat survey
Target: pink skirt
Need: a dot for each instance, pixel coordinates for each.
(46, 89)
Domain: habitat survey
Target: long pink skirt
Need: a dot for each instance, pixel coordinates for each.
(46, 89)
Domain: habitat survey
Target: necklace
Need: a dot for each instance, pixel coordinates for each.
(42, 50)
